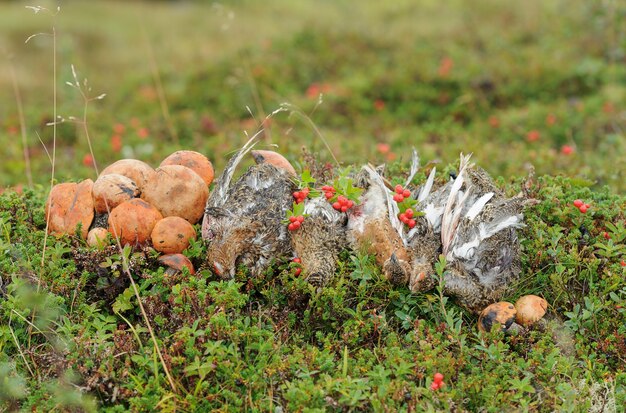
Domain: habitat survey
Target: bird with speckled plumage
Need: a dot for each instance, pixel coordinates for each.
(243, 220)
(473, 225)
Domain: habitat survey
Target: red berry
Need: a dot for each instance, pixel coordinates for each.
(587, 206)
(292, 218)
(398, 198)
(623, 263)
(406, 193)
(606, 235)
(399, 189)
(297, 260)
(300, 219)
(296, 224)
(583, 208)
(328, 195)
(404, 219)
(350, 203)
(411, 223)
(578, 203)
(297, 272)
(344, 208)
(337, 206)
(409, 212)
(291, 227)
(435, 386)
(438, 377)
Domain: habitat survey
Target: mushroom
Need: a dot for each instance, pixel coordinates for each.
(111, 190)
(175, 263)
(530, 309)
(97, 237)
(503, 314)
(195, 161)
(274, 158)
(133, 221)
(171, 235)
(68, 205)
(176, 190)
(139, 172)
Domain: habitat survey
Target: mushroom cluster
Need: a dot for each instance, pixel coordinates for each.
(135, 203)
(528, 310)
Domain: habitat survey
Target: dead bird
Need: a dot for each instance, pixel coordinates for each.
(319, 240)
(242, 220)
(374, 227)
(472, 223)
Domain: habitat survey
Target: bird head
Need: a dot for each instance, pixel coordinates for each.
(226, 236)
(396, 270)
(421, 278)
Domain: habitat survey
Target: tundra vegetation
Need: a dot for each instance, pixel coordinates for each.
(108, 327)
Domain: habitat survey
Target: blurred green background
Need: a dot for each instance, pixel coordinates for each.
(517, 83)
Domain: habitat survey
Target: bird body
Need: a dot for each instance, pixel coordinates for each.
(471, 222)
(373, 227)
(319, 240)
(243, 221)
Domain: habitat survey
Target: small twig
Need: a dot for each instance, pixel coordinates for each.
(293, 109)
(19, 348)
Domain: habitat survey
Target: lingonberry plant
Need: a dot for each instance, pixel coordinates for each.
(295, 216)
(343, 195)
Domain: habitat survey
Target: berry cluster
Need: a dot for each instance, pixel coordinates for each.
(343, 204)
(582, 207)
(437, 381)
(301, 195)
(295, 222)
(329, 192)
(407, 218)
(298, 269)
(401, 193)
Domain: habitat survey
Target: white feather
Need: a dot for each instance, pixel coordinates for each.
(451, 212)
(433, 215)
(465, 251)
(427, 186)
(487, 230)
(415, 163)
(478, 206)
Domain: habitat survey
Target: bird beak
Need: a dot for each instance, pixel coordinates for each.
(394, 258)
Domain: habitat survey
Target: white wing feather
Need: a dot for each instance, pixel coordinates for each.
(427, 186)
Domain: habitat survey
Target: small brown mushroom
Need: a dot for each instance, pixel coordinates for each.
(133, 221)
(176, 190)
(274, 158)
(171, 235)
(502, 313)
(68, 205)
(111, 190)
(97, 237)
(175, 263)
(195, 161)
(530, 309)
(139, 172)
